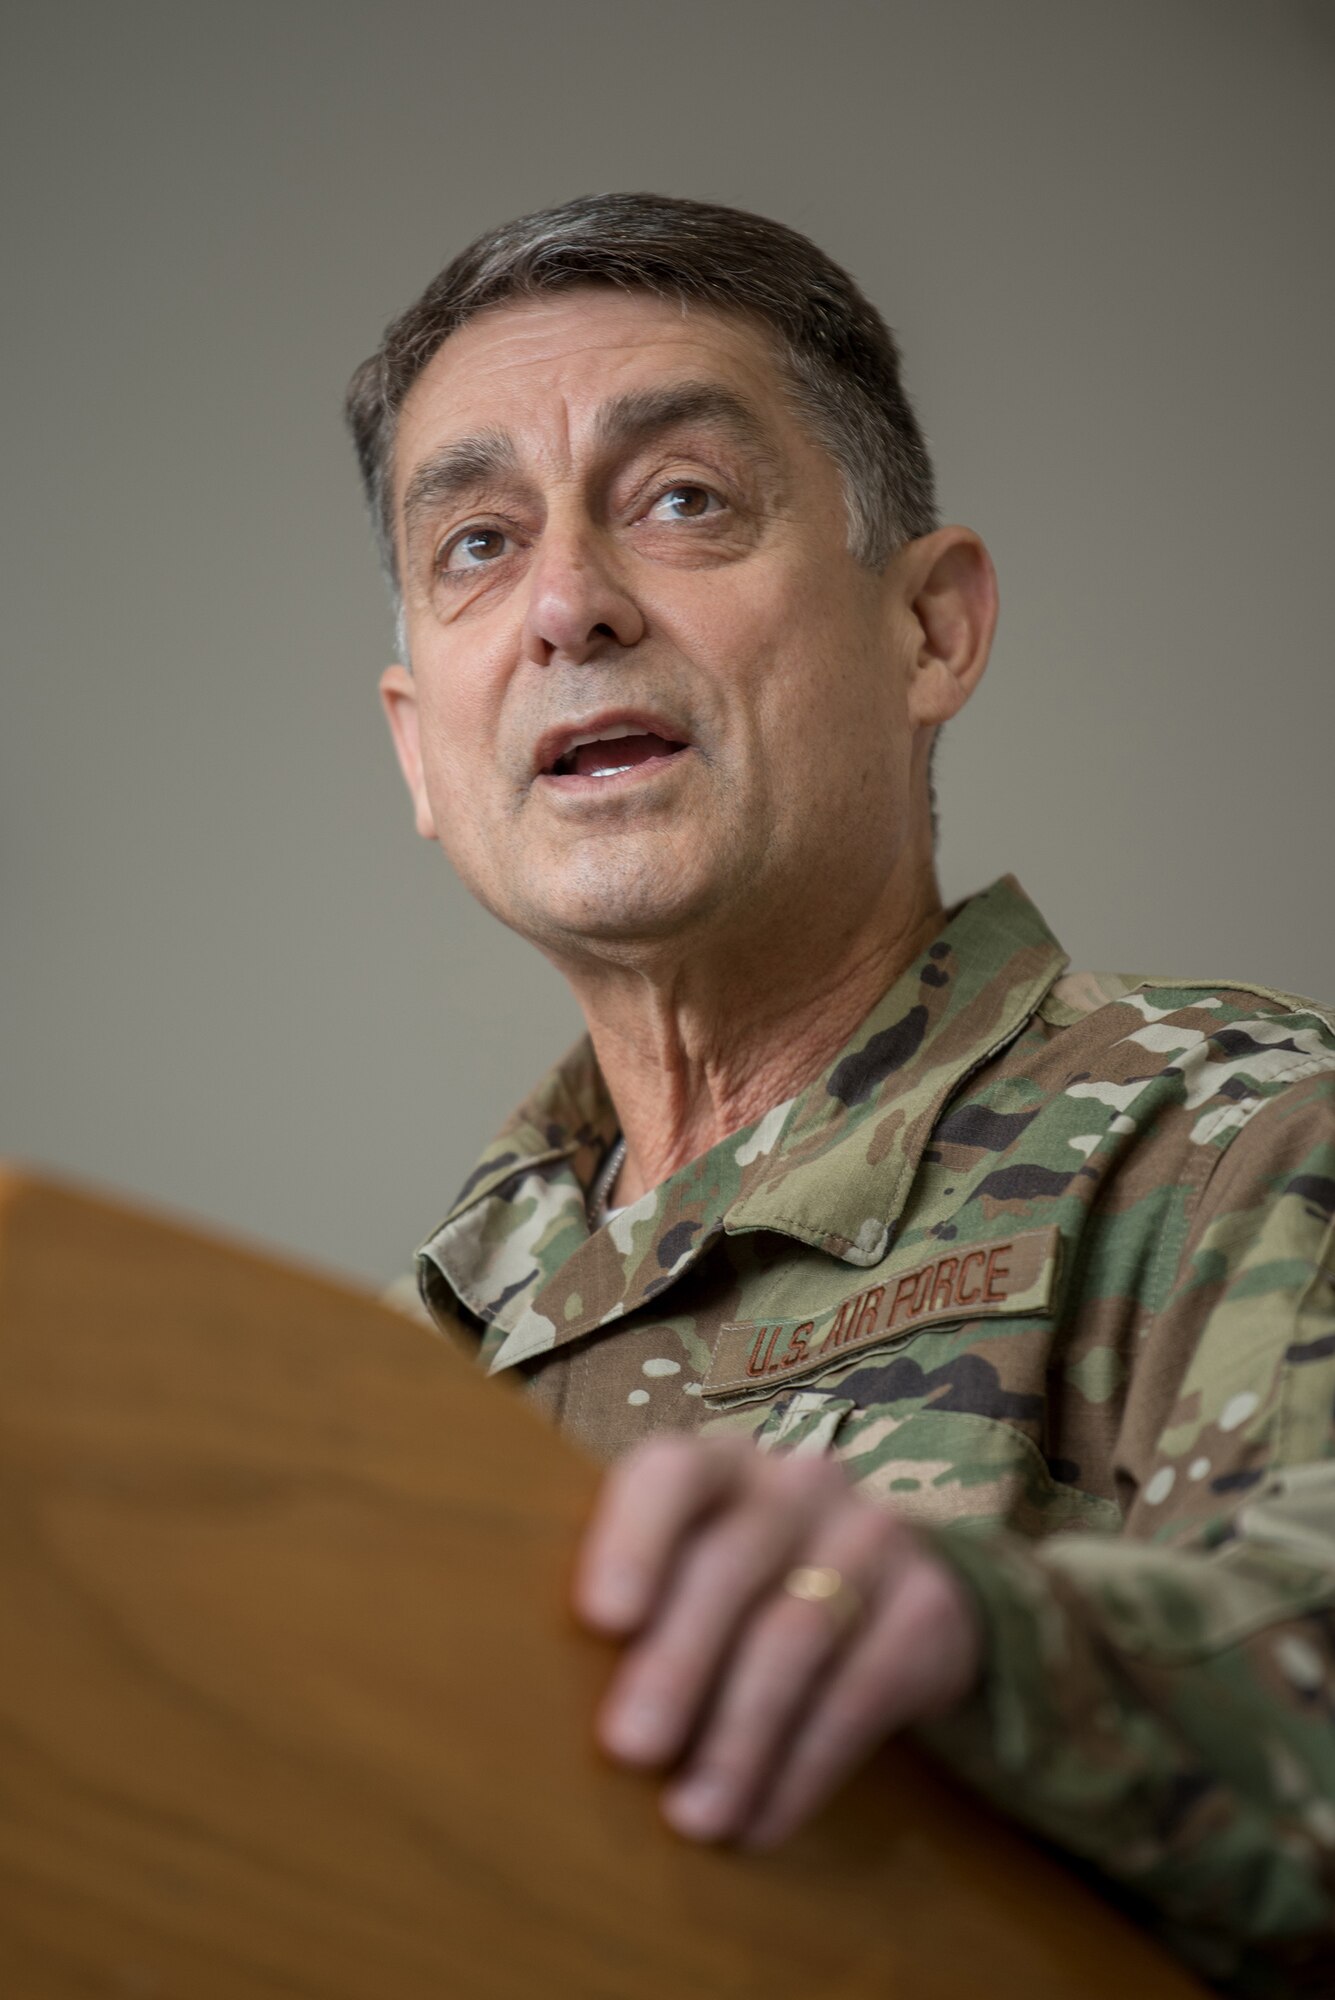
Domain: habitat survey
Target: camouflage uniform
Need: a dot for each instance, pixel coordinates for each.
(1046, 1261)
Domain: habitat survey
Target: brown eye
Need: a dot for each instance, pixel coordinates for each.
(474, 549)
(685, 503)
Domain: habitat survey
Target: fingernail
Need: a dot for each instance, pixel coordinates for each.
(700, 1808)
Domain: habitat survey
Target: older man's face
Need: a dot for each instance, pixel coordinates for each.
(652, 693)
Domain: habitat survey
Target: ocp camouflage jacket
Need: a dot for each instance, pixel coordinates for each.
(1046, 1261)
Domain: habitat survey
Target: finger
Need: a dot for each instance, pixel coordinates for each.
(665, 1684)
(649, 1501)
(786, 1651)
(918, 1657)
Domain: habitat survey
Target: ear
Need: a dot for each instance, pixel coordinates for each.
(398, 698)
(951, 590)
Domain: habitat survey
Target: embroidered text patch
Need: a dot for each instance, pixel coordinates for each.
(1013, 1275)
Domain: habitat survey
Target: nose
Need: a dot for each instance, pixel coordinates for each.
(577, 604)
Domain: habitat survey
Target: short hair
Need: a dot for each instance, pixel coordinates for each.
(841, 358)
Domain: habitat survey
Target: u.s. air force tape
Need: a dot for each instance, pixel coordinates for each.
(1014, 1274)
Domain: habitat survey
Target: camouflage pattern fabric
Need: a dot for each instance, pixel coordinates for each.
(1047, 1261)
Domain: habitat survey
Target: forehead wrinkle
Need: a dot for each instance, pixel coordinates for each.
(641, 415)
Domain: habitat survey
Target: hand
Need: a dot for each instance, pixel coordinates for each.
(772, 1699)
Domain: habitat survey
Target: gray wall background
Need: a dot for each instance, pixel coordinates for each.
(233, 980)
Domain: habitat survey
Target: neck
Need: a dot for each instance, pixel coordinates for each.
(700, 1046)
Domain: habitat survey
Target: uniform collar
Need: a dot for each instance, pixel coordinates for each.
(830, 1168)
(852, 1141)
(570, 1117)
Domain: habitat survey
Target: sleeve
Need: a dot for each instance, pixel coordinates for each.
(1161, 1703)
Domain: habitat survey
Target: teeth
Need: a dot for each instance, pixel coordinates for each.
(564, 765)
(611, 734)
(606, 735)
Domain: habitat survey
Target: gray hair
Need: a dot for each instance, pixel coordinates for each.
(841, 357)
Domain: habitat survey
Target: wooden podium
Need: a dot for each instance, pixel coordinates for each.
(291, 1706)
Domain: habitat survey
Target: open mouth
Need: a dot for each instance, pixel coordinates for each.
(611, 751)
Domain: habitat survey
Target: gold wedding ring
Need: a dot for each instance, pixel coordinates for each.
(820, 1584)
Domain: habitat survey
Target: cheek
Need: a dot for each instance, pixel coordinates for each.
(457, 743)
(748, 628)
(824, 687)
(458, 717)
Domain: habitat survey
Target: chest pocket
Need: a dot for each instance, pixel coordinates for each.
(954, 1465)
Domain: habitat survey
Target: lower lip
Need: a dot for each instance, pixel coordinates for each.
(569, 784)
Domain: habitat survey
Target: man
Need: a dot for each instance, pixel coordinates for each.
(963, 1330)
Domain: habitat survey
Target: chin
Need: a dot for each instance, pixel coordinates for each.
(601, 909)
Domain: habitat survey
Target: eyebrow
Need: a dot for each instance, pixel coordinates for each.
(457, 469)
(628, 421)
(644, 414)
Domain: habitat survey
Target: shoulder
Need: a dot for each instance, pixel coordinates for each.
(1170, 1084)
(1216, 1038)
(1078, 995)
(1131, 1090)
